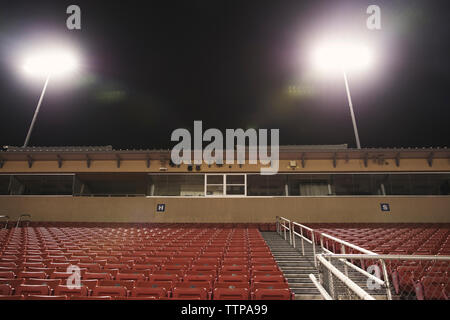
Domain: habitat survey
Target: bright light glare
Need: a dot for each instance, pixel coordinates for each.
(340, 56)
(50, 61)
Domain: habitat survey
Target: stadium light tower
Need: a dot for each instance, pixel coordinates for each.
(48, 63)
(343, 57)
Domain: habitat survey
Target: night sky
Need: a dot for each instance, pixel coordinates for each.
(149, 67)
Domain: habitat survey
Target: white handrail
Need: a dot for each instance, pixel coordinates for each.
(302, 237)
(319, 287)
(348, 244)
(386, 257)
(347, 281)
(322, 235)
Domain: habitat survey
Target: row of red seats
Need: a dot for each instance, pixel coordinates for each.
(165, 260)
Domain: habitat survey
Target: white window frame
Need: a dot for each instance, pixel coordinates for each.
(224, 185)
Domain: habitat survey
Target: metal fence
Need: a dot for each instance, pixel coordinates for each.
(380, 276)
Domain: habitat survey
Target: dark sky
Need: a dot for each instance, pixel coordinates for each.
(149, 67)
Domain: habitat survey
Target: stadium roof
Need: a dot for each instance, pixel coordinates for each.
(291, 152)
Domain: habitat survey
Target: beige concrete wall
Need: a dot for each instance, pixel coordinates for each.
(302, 209)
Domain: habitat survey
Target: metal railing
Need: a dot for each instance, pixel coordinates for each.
(303, 238)
(282, 228)
(336, 277)
(7, 220)
(319, 287)
(423, 262)
(286, 228)
(25, 215)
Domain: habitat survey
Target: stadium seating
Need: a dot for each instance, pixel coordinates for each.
(132, 262)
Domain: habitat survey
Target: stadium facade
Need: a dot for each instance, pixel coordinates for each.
(314, 184)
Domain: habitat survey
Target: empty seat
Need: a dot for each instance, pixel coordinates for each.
(233, 278)
(11, 297)
(435, 287)
(155, 284)
(91, 298)
(112, 291)
(163, 277)
(28, 289)
(269, 278)
(272, 294)
(5, 289)
(191, 293)
(7, 275)
(128, 284)
(52, 283)
(130, 276)
(31, 274)
(230, 294)
(97, 275)
(68, 291)
(158, 292)
(46, 297)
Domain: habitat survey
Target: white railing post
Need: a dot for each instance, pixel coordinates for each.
(293, 236)
(290, 233)
(303, 245)
(314, 247)
(386, 280)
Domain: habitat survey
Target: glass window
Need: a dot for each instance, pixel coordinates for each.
(399, 184)
(266, 185)
(42, 185)
(235, 179)
(107, 184)
(176, 185)
(4, 184)
(214, 179)
(343, 184)
(214, 190)
(309, 185)
(362, 185)
(379, 183)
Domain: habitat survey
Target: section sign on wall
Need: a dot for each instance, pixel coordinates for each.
(161, 207)
(385, 207)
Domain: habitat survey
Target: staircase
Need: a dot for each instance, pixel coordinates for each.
(296, 268)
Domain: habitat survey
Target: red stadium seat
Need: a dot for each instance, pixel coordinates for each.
(128, 284)
(91, 298)
(11, 297)
(268, 279)
(158, 292)
(44, 297)
(131, 276)
(52, 283)
(191, 293)
(235, 278)
(65, 290)
(97, 276)
(30, 289)
(152, 284)
(5, 289)
(30, 274)
(230, 294)
(112, 291)
(272, 294)
(163, 277)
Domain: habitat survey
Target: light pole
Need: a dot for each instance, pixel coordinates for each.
(341, 57)
(47, 63)
(36, 112)
(350, 104)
